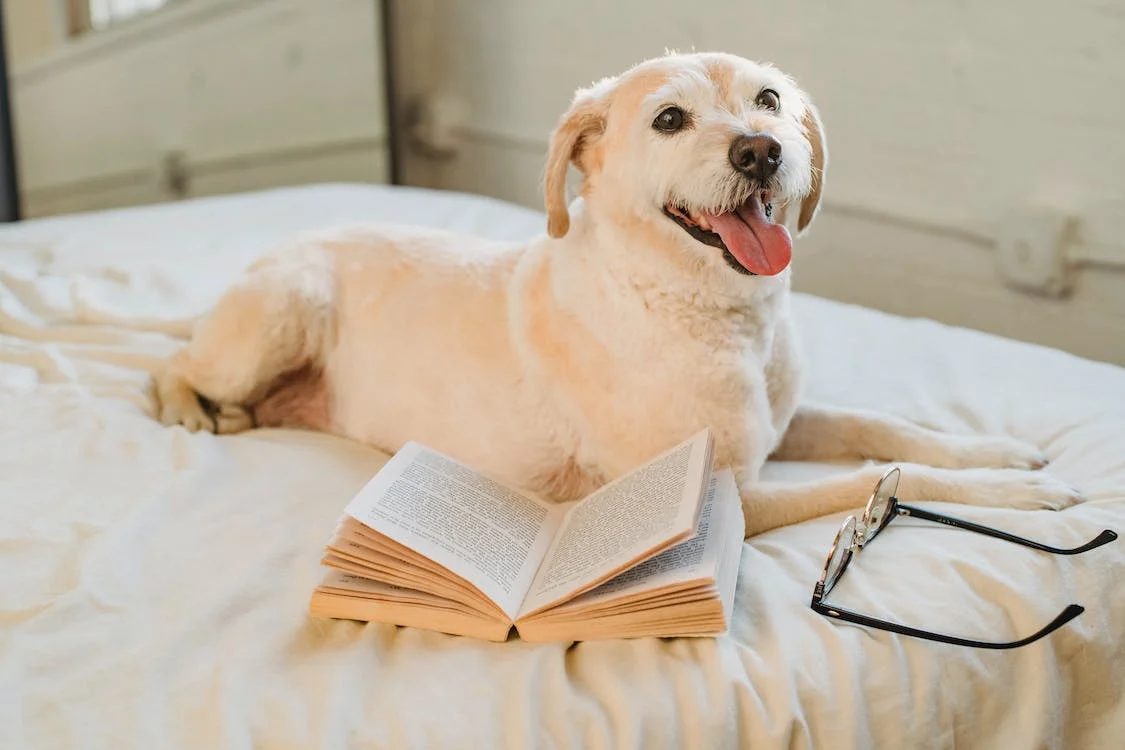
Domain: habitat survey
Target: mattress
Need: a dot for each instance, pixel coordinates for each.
(154, 583)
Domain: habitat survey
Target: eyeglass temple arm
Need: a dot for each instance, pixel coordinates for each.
(1105, 537)
(846, 615)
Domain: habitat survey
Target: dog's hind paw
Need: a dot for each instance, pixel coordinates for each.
(179, 405)
(231, 418)
(192, 416)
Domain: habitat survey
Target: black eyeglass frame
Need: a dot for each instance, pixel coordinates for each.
(857, 535)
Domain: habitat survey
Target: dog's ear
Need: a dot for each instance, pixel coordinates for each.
(814, 130)
(575, 136)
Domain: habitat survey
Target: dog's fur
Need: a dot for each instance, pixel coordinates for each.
(563, 362)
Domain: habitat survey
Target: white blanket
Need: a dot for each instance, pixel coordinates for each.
(153, 583)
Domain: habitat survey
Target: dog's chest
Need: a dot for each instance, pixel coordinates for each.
(723, 381)
(635, 375)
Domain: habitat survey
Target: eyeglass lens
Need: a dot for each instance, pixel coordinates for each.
(841, 551)
(874, 518)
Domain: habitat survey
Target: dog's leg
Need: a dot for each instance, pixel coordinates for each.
(821, 433)
(769, 505)
(273, 322)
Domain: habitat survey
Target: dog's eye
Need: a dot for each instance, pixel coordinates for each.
(670, 120)
(769, 99)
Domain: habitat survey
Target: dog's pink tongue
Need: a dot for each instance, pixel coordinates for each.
(761, 246)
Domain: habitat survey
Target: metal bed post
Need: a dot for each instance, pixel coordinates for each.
(9, 183)
(387, 27)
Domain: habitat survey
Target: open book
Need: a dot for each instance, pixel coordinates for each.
(431, 543)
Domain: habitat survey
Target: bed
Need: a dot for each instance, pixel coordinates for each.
(153, 583)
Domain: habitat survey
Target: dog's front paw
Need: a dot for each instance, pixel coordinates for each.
(1026, 490)
(994, 453)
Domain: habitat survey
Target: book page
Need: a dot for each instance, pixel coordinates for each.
(624, 522)
(343, 596)
(733, 533)
(488, 534)
(698, 558)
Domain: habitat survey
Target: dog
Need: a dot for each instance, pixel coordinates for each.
(656, 303)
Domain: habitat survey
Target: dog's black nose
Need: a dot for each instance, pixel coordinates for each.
(756, 156)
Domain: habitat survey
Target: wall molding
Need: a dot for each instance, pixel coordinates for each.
(146, 29)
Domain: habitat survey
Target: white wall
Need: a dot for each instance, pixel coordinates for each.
(32, 28)
(201, 97)
(945, 121)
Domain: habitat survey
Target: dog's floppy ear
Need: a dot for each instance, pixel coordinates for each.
(814, 130)
(576, 133)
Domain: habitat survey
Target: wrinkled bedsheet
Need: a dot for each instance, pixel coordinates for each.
(153, 583)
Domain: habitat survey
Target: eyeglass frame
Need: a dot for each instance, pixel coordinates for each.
(862, 534)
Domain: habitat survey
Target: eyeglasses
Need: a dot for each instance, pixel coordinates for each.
(881, 509)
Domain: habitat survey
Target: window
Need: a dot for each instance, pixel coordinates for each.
(93, 15)
(105, 12)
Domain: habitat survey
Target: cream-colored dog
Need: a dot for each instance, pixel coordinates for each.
(657, 304)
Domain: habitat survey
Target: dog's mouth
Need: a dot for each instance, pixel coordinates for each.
(751, 242)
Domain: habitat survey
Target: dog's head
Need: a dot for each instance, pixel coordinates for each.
(706, 150)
